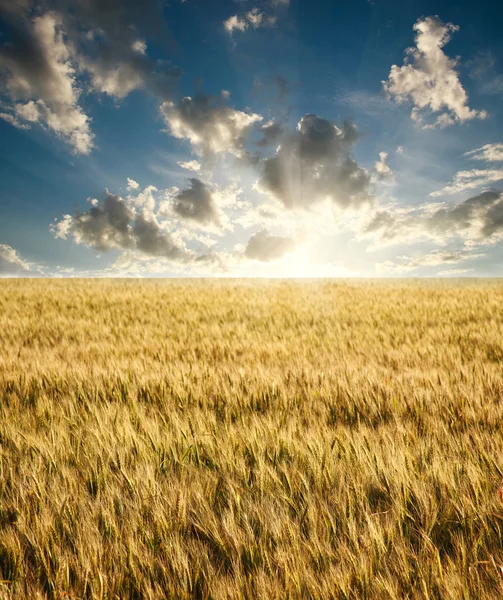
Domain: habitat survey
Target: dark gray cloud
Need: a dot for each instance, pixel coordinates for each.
(478, 218)
(154, 241)
(106, 225)
(111, 36)
(114, 223)
(483, 212)
(314, 164)
(38, 76)
(56, 48)
(265, 247)
(272, 132)
(197, 203)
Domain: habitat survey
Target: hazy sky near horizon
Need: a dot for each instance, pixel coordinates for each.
(251, 138)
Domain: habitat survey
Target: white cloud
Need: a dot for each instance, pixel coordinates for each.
(191, 165)
(454, 271)
(132, 184)
(254, 18)
(209, 125)
(117, 81)
(429, 78)
(40, 72)
(139, 46)
(488, 153)
(382, 169)
(13, 265)
(61, 229)
(12, 120)
(469, 180)
(234, 22)
(405, 264)
(146, 198)
(474, 178)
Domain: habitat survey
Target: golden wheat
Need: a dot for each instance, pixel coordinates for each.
(251, 439)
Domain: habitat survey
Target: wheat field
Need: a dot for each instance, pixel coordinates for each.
(251, 439)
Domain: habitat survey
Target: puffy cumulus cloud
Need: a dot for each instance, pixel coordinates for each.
(39, 78)
(383, 170)
(254, 18)
(154, 223)
(314, 164)
(11, 263)
(211, 126)
(488, 153)
(153, 240)
(115, 80)
(12, 120)
(104, 226)
(202, 205)
(429, 78)
(68, 46)
(405, 264)
(132, 185)
(146, 199)
(114, 223)
(190, 165)
(118, 73)
(197, 203)
(478, 218)
(266, 247)
(234, 22)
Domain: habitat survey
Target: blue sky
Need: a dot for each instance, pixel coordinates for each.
(250, 138)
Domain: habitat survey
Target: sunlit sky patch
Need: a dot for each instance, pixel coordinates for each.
(293, 138)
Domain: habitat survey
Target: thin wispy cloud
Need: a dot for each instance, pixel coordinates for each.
(470, 179)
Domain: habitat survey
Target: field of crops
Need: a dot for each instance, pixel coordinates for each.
(251, 439)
